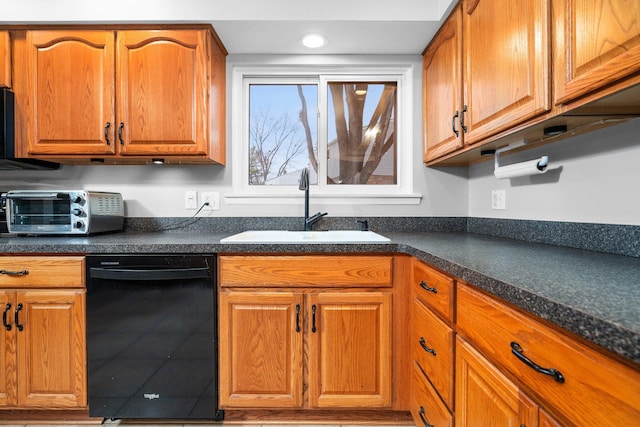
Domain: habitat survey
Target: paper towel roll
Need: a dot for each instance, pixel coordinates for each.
(531, 167)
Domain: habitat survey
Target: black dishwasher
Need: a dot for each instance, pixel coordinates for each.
(152, 337)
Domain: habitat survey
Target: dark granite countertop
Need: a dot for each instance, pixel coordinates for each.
(593, 294)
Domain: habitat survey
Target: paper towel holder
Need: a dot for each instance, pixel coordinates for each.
(531, 167)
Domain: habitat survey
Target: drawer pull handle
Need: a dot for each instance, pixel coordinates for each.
(6, 325)
(517, 350)
(313, 318)
(106, 133)
(453, 124)
(16, 320)
(423, 418)
(423, 344)
(120, 129)
(297, 317)
(424, 286)
(462, 126)
(15, 273)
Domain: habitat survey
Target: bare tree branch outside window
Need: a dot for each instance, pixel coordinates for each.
(361, 128)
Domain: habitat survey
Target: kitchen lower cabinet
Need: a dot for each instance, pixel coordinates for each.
(287, 344)
(477, 362)
(5, 59)
(575, 383)
(350, 349)
(42, 345)
(260, 354)
(485, 397)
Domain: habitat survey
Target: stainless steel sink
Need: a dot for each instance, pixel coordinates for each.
(305, 237)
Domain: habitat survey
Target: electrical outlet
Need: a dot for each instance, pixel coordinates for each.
(498, 199)
(191, 200)
(211, 197)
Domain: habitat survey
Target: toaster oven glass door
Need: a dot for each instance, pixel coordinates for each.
(27, 211)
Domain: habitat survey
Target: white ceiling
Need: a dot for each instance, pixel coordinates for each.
(262, 26)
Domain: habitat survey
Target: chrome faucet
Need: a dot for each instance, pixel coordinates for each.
(304, 186)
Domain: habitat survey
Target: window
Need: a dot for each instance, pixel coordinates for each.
(351, 131)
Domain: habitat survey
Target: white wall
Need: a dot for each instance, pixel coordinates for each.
(159, 190)
(592, 178)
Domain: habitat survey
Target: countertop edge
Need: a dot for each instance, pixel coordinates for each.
(607, 334)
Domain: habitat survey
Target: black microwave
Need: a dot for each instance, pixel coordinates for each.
(8, 160)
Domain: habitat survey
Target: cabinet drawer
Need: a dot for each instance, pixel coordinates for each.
(433, 350)
(42, 271)
(596, 389)
(305, 271)
(434, 288)
(426, 406)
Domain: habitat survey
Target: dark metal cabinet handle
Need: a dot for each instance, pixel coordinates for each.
(6, 325)
(423, 418)
(517, 350)
(423, 344)
(15, 273)
(106, 133)
(313, 318)
(297, 317)
(462, 126)
(424, 286)
(453, 124)
(15, 318)
(120, 129)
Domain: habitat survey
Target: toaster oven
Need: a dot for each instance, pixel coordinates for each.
(65, 212)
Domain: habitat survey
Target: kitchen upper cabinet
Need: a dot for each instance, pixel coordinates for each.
(485, 397)
(506, 64)
(596, 44)
(42, 343)
(162, 92)
(121, 96)
(65, 94)
(442, 89)
(287, 343)
(5, 59)
(486, 70)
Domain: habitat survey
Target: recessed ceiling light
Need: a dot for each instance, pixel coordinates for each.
(314, 41)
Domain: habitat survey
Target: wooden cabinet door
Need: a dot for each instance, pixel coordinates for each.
(8, 392)
(65, 92)
(506, 63)
(260, 349)
(485, 397)
(350, 349)
(51, 349)
(596, 43)
(163, 92)
(5, 59)
(442, 90)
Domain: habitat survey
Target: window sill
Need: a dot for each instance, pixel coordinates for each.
(344, 199)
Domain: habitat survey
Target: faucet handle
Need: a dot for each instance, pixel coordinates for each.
(364, 225)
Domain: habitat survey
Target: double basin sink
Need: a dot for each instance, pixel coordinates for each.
(305, 237)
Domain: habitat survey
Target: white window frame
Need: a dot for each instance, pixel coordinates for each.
(399, 193)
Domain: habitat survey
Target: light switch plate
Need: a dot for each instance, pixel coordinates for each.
(190, 200)
(498, 199)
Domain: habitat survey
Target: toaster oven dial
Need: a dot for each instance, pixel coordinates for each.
(79, 224)
(78, 199)
(77, 212)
